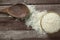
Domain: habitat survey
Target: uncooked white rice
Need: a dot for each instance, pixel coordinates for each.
(35, 18)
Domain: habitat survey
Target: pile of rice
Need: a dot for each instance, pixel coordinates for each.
(35, 19)
(42, 19)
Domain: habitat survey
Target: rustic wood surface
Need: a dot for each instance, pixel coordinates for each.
(30, 1)
(13, 32)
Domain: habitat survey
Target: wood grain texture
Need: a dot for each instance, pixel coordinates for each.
(42, 1)
(20, 35)
(32, 35)
(11, 1)
(30, 1)
(48, 7)
(51, 8)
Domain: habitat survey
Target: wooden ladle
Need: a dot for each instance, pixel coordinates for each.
(17, 10)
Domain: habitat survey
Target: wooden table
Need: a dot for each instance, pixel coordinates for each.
(22, 34)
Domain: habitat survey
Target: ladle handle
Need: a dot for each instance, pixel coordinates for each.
(4, 10)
